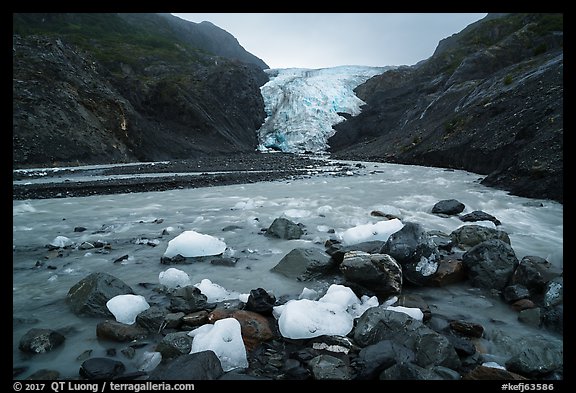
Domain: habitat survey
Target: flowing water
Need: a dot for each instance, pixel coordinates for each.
(321, 203)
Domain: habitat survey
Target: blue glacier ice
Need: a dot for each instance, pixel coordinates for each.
(303, 104)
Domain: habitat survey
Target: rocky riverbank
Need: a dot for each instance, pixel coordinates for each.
(206, 171)
(368, 325)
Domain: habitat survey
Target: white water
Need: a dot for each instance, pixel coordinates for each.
(320, 203)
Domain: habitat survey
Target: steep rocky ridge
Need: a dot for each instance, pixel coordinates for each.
(101, 88)
(489, 100)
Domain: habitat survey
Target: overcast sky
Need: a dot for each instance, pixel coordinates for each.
(318, 40)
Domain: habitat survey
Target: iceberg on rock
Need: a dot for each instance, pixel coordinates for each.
(215, 292)
(224, 338)
(368, 232)
(332, 314)
(125, 308)
(174, 278)
(193, 244)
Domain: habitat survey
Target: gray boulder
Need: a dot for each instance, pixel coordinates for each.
(413, 248)
(449, 207)
(203, 365)
(490, 264)
(283, 228)
(88, 297)
(40, 340)
(377, 272)
(305, 264)
(468, 236)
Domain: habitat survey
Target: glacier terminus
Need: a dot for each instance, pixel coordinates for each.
(303, 104)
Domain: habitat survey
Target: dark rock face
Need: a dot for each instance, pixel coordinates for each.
(490, 264)
(203, 365)
(377, 272)
(305, 264)
(490, 101)
(282, 228)
(101, 368)
(40, 341)
(132, 99)
(89, 295)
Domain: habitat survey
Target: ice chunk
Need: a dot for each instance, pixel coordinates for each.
(333, 313)
(307, 318)
(413, 312)
(61, 241)
(309, 294)
(367, 232)
(493, 365)
(215, 292)
(125, 308)
(224, 338)
(194, 244)
(174, 278)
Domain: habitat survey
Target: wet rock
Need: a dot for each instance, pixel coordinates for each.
(434, 349)
(462, 345)
(120, 332)
(468, 236)
(534, 273)
(523, 304)
(333, 344)
(490, 264)
(101, 369)
(175, 260)
(152, 319)
(89, 296)
(337, 251)
(515, 292)
(295, 371)
(260, 301)
(408, 372)
(446, 373)
(375, 358)
(187, 299)
(553, 318)
(330, 368)
(203, 365)
(491, 373)
(468, 329)
(283, 228)
(174, 345)
(304, 264)
(415, 251)
(537, 359)
(174, 320)
(377, 272)
(449, 207)
(254, 327)
(431, 348)
(479, 215)
(40, 340)
(195, 319)
(450, 271)
(530, 316)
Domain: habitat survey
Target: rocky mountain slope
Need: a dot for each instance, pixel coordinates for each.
(101, 88)
(489, 100)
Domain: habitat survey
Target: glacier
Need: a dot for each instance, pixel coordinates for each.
(303, 104)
